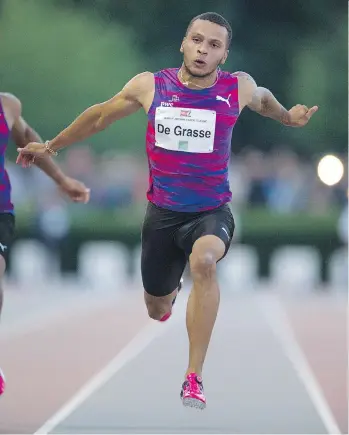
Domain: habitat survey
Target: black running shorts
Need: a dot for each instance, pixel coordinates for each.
(7, 231)
(167, 241)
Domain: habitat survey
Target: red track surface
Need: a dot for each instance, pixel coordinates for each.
(45, 367)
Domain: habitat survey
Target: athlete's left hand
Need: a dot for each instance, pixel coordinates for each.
(75, 190)
(300, 115)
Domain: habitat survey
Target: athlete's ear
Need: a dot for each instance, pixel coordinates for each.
(224, 58)
(181, 49)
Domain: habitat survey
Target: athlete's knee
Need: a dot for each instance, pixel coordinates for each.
(203, 260)
(157, 307)
(157, 311)
(202, 265)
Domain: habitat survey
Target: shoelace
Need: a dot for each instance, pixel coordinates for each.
(194, 384)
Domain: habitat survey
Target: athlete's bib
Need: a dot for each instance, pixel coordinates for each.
(188, 130)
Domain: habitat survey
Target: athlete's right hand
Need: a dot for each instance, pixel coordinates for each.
(30, 152)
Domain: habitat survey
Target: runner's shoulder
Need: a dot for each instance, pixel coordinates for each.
(143, 79)
(243, 76)
(140, 83)
(11, 103)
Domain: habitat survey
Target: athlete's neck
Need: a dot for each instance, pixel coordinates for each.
(193, 82)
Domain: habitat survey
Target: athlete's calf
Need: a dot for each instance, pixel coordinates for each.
(204, 298)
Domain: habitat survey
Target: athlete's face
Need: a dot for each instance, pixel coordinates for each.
(204, 47)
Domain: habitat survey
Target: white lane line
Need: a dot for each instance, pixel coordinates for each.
(140, 342)
(277, 319)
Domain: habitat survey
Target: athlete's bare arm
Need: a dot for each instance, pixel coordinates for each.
(137, 93)
(262, 101)
(22, 134)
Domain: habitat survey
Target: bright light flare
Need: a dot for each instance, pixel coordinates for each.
(330, 170)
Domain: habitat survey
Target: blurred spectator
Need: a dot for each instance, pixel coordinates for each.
(52, 221)
(279, 181)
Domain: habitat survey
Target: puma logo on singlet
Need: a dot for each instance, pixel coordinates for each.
(226, 100)
(3, 247)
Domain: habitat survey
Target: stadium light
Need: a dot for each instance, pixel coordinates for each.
(330, 170)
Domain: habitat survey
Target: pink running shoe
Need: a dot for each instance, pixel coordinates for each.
(192, 393)
(2, 383)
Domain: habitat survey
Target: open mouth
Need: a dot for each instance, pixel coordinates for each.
(199, 62)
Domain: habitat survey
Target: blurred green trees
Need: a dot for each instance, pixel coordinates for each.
(59, 62)
(60, 56)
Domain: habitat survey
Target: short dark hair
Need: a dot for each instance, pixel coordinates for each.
(213, 17)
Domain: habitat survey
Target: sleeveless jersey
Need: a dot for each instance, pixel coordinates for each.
(5, 187)
(188, 142)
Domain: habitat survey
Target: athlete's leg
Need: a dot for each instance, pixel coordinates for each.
(6, 236)
(204, 298)
(207, 241)
(2, 272)
(162, 264)
(159, 307)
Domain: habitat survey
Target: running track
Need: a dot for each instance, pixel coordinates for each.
(81, 362)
